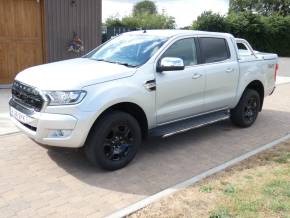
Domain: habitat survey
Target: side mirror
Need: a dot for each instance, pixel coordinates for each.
(170, 64)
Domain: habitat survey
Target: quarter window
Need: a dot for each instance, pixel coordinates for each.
(184, 49)
(214, 49)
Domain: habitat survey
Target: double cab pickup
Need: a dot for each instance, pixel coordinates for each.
(156, 82)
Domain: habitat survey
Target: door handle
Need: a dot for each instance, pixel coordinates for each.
(196, 76)
(229, 70)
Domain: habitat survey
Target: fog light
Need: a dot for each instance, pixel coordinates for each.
(59, 133)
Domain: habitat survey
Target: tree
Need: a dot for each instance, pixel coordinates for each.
(265, 33)
(249, 26)
(149, 21)
(242, 5)
(144, 16)
(145, 7)
(209, 21)
(114, 22)
(263, 7)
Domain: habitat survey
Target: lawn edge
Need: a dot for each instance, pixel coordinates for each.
(153, 198)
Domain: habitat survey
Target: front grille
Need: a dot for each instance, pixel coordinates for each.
(27, 96)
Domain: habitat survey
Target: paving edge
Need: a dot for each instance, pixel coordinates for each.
(10, 133)
(145, 202)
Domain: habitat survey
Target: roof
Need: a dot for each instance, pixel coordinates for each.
(172, 33)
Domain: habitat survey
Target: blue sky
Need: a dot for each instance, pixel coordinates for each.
(185, 11)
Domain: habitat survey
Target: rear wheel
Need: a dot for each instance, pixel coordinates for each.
(114, 141)
(247, 110)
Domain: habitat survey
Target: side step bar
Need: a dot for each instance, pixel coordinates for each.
(189, 124)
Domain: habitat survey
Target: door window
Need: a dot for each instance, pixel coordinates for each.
(214, 49)
(184, 49)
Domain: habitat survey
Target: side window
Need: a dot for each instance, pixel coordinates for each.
(214, 49)
(241, 46)
(243, 50)
(184, 49)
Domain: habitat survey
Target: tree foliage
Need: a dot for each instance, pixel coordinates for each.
(149, 21)
(263, 7)
(114, 21)
(265, 33)
(144, 7)
(144, 16)
(209, 21)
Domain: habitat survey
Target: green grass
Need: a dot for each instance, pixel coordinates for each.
(256, 188)
(206, 189)
(277, 188)
(221, 212)
(248, 177)
(284, 158)
(229, 189)
(258, 192)
(278, 206)
(248, 206)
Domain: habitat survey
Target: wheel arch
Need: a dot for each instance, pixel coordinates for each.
(131, 108)
(258, 86)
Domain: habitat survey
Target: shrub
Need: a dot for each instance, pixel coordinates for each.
(268, 34)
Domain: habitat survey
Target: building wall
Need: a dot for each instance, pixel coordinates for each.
(64, 17)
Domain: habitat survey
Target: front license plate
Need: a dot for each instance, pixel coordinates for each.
(23, 118)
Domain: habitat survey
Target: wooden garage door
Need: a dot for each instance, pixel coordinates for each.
(20, 37)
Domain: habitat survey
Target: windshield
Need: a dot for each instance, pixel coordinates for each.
(128, 50)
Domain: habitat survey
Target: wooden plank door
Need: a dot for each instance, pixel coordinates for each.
(21, 38)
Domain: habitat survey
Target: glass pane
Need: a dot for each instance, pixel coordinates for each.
(184, 49)
(133, 50)
(214, 49)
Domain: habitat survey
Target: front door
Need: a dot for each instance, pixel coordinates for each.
(180, 94)
(20, 37)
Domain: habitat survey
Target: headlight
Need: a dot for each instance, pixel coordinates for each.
(65, 97)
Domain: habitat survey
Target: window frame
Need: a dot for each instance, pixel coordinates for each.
(197, 47)
(202, 56)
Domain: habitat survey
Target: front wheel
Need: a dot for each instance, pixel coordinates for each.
(113, 141)
(247, 110)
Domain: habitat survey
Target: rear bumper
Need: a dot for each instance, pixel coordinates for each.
(45, 128)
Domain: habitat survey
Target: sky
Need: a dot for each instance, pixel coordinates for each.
(184, 11)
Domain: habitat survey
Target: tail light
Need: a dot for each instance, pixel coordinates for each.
(276, 71)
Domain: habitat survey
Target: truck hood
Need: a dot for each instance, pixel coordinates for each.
(72, 74)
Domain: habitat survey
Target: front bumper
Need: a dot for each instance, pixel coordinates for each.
(42, 127)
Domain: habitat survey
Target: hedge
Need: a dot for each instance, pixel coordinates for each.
(267, 34)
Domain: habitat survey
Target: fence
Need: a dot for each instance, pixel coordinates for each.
(109, 32)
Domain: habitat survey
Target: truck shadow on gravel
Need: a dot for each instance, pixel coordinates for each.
(161, 163)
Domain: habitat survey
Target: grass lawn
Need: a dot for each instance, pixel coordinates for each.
(257, 187)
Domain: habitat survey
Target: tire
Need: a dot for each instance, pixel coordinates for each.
(114, 141)
(246, 112)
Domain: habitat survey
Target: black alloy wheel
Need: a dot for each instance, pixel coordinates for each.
(113, 141)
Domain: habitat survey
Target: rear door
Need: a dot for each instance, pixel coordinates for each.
(221, 71)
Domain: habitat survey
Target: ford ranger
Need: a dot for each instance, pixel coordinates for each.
(157, 82)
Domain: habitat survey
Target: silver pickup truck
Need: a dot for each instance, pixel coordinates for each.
(159, 82)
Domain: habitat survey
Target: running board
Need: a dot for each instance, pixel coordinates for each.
(189, 124)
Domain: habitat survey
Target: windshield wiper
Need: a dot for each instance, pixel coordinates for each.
(104, 60)
(125, 64)
(116, 62)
